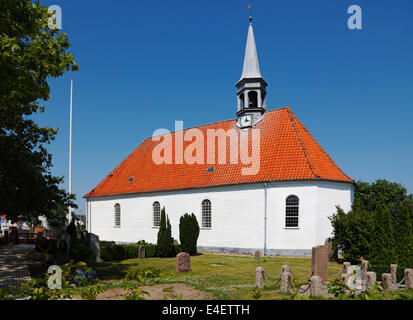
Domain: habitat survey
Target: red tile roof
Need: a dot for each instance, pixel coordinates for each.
(288, 152)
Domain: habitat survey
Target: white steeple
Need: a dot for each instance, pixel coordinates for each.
(251, 66)
(251, 88)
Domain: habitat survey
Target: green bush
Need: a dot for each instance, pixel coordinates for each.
(146, 272)
(81, 252)
(150, 250)
(188, 233)
(106, 243)
(131, 251)
(165, 245)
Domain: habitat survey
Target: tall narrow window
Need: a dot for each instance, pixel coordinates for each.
(206, 214)
(291, 212)
(117, 215)
(156, 214)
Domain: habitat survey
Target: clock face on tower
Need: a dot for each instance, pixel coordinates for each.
(245, 121)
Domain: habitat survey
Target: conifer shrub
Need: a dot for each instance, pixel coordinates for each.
(164, 245)
(188, 233)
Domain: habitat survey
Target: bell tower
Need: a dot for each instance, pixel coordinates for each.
(251, 88)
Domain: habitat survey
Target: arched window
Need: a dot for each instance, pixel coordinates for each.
(206, 214)
(291, 212)
(252, 99)
(242, 101)
(117, 215)
(156, 214)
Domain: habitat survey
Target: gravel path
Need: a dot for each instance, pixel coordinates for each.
(13, 267)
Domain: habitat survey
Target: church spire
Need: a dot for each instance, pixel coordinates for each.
(251, 93)
(251, 66)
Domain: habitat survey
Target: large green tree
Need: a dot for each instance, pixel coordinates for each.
(388, 194)
(403, 238)
(382, 247)
(352, 232)
(30, 53)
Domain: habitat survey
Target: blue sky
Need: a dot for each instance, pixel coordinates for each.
(145, 64)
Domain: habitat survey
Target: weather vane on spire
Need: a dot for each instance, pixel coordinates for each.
(249, 7)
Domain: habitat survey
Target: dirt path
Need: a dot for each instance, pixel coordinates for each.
(171, 291)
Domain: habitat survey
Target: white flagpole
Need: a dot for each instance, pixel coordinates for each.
(70, 147)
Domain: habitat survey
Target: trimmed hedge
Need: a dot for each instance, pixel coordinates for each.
(130, 251)
(81, 252)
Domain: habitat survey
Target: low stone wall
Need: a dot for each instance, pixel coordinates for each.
(269, 252)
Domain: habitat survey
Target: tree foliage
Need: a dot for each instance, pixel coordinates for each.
(403, 238)
(188, 233)
(352, 232)
(388, 194)
(164, 243)
(30, 53)
(377, 228)
(382, 246)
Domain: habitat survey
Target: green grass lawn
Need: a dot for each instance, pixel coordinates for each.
(233, 280)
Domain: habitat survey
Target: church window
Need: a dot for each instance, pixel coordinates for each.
(117, 215)
(252, 99)
(206, 214)
(156, 214)
(291, 212)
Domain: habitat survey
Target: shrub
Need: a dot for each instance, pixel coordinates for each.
(81, 252)
(143, 273)
(188, 233)
(150, 250)
(165, 242)
(131, 251)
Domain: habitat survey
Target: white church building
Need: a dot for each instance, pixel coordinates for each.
(280, 208)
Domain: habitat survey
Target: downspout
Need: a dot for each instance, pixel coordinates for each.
(265, 218)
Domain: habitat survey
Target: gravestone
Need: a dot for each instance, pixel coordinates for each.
(142, 252)
(320, 262)
(346, 267)
(259, 277)
(370, 279)
(315, 286)
(257, 256)
(364, 267)
(183, 262)
(408, 278)
(329, 246)
(63, 249)
(285, 283)
(344, 277)
(393, 272)
(94, 244)
(387, 281)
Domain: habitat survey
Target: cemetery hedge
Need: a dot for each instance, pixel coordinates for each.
(130, 251)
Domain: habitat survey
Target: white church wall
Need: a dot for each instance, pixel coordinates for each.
(237, 215)
(236, 211)
(278, 235)
(330, 195)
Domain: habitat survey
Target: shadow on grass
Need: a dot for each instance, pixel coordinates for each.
(111, 270)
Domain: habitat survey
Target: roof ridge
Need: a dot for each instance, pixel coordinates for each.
(212, 123)
(322, 149)
(303, 147)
